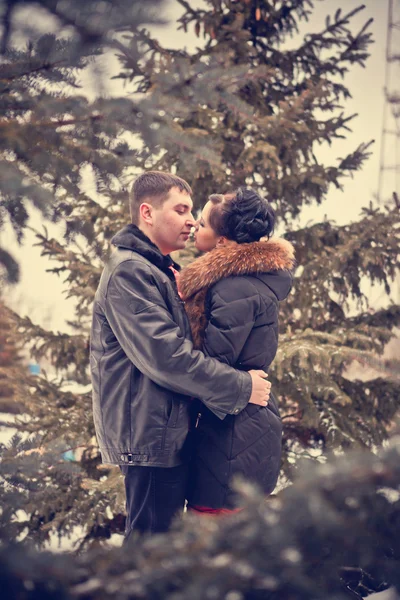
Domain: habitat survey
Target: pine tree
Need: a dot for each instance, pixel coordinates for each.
(239, 110)
(332, 535)
(50, 133)
(11, 366)
(265, 118)
(48, 130)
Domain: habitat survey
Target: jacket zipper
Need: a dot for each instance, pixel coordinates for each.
(197, 420)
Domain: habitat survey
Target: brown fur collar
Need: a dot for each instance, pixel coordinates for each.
(195, 280)
(243, 259)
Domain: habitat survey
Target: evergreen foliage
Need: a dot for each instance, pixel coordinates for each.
(48, 130)
(238, 110)
(11, 368)
(332, 535)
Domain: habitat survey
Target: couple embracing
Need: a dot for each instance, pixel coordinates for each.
(179, 360)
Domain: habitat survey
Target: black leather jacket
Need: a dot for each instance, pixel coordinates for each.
(144, 368)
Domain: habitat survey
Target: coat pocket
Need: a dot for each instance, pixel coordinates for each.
(172, 418)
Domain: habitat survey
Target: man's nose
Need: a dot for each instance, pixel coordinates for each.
(191, 220)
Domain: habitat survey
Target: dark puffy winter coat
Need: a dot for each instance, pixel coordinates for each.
(231, 298)
(143, 363)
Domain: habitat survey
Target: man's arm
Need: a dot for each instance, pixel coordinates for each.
(143, 325)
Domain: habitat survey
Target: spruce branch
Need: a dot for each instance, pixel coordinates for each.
(330, 533)
(238, 111)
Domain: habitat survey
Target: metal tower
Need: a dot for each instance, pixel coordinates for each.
(389, 169)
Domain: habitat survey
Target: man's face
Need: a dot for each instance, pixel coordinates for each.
(171, 224)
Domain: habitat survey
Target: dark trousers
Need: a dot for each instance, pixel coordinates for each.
(154, 496)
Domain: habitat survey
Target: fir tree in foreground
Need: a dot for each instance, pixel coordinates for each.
(239, 110)
(332, 535)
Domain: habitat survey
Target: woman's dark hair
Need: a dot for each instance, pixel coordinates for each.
(242, 216)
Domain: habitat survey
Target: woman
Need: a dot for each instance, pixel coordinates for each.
(231, 297)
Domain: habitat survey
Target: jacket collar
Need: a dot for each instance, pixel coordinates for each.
(133, 238)
(275, 254)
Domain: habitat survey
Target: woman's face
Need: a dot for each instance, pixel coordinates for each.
(205, 238)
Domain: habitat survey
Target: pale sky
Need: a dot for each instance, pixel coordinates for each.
(40, 295)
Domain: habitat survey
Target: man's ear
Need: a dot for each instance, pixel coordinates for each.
(146, 213)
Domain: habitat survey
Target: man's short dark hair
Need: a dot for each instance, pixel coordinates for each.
(154, 187)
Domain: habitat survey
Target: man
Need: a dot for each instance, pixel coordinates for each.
(144, 368)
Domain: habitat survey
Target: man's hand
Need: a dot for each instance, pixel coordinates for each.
(261, 388)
